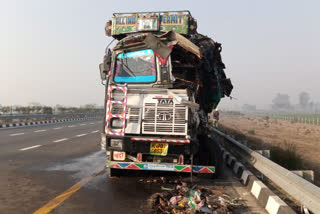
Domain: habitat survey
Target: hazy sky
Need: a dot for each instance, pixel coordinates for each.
(50, 49)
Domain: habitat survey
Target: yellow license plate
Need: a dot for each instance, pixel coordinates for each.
(159, 148)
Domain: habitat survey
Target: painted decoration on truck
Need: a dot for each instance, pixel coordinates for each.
(126, 20)
(133, 24)
(109, 130)
(172, 20)
(160, 167)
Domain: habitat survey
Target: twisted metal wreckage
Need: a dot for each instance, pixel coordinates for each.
(196, 63)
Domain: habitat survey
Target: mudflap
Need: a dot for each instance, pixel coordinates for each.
(209, 154)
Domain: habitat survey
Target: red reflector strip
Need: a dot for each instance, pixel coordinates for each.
(139, 157)
(181, 159)
(160, 140)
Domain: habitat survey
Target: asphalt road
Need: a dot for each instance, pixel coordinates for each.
(45, 163)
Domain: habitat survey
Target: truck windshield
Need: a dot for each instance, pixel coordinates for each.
(135, 67)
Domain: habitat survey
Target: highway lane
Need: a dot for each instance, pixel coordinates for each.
(23, 130)
(26, 182)
(11, 143)
(31, 178)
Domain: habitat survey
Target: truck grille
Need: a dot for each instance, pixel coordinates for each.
(164, 119)
(134, 113)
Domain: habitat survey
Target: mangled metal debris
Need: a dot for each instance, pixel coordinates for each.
(184, 199)
(196, 63)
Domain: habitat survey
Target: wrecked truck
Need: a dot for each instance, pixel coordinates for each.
(161, 79)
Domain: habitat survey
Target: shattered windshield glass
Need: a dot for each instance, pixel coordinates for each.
(135, 67)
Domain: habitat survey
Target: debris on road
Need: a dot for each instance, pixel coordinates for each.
(183, 199)
(159, 180)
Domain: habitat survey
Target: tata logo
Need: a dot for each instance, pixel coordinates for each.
(165, 101)
(164, 116)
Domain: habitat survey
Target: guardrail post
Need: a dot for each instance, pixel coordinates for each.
(306, 174)
(265, 153)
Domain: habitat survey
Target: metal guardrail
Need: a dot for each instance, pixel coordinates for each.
(26, 116)
(298, 188)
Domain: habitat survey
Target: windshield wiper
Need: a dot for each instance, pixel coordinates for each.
(130, 71)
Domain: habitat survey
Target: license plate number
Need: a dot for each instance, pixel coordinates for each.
(159, 148)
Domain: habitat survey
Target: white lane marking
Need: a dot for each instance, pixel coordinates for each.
(80, 135)
(83, 124)
(31, 147)
(58, 128)
(63, 139)
(91, 123)
(71, 126)
(16, 134)
(95, 131)
(42, 130)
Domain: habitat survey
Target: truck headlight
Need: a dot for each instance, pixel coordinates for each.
(116, 143)
(116, 123)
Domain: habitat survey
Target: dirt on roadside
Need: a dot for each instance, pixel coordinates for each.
(263, 133)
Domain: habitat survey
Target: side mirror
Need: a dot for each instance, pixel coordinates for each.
(107, 60)
(102, 73)
(106, 65)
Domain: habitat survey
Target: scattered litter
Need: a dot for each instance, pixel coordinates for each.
(161, 180)
(174, 200)
(166, 188)
(183, 199)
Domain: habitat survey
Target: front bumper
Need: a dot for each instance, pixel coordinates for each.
(160, 167)
(142, 145)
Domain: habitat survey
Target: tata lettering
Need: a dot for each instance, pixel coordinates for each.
(165, 101)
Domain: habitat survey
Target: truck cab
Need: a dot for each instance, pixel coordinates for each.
(152, 116)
